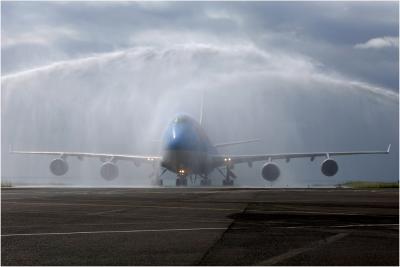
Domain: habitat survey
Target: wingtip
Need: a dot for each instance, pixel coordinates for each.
(388, 149)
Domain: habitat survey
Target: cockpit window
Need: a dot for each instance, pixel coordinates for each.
(182, 119)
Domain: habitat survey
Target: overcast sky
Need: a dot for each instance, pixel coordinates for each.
(359, 40)
(342, 56)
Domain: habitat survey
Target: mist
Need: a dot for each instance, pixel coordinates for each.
(122, 100)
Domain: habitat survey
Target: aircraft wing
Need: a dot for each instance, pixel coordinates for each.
(80, 155)
(234, 159)
(237, 142)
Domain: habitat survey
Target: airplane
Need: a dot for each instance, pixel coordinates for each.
(188, 152)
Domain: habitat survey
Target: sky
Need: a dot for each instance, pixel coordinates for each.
(109, 76)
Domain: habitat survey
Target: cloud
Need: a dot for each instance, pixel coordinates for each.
(379, 43)
(43, 35)
(323, 31)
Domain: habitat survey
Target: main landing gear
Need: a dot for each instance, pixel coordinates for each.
(205, 181)
(227, 181)
(158, 182)
(155, 177)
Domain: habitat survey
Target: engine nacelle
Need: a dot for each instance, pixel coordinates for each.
(58, 166)
(270, 172)
(109, 171)
(329, 167)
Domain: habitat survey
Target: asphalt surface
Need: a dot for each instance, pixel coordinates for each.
(199, 226)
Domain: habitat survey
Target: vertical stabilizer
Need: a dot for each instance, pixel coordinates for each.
(201, 108)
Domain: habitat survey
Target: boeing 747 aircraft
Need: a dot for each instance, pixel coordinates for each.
(188, 152)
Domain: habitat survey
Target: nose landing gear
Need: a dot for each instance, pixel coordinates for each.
(181, 178)
(181, 181)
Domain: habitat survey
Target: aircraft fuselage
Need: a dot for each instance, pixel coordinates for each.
(187, 147)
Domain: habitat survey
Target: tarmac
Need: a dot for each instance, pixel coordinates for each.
(199, 226)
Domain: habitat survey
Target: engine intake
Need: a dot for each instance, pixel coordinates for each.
(58, 167)
(109, 171)
(270, 172)
(329, 167)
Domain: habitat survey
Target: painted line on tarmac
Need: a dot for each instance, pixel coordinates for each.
(120, 205)
(117, 231)
(112, 224)
(365, 225)
(337, 226)
(303, 211)
(105, 212)
(294, 252)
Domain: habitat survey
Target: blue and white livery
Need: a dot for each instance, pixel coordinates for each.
(189, 153)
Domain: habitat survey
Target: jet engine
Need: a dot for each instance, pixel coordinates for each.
(109, 171)
(58, 166)
(329, 167)
(270, 171)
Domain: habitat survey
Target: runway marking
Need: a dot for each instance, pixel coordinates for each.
(294, 252)
(120, 205)
(103, 224)
(302, 211)
(338, 226)
(333, 209)
(105, 212)
(365, 225)
(117, 231)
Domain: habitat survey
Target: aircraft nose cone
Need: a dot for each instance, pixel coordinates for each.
(180, 142)
(182, 137)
